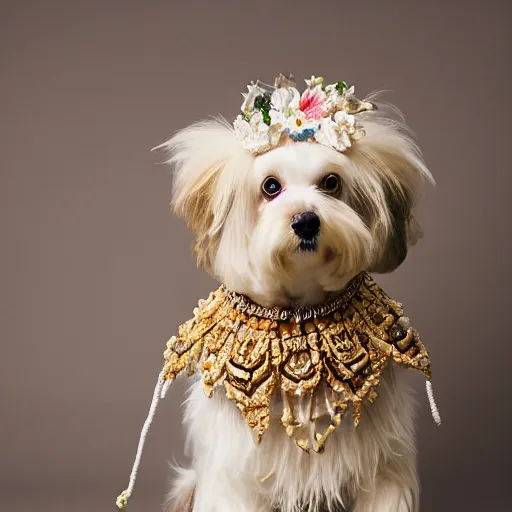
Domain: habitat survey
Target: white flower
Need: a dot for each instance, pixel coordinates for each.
(345, 121)
(336, 132)
(243, 130)
(277, 117)
(252, 134)
(285, 100)
(327, 134)
(297, 122)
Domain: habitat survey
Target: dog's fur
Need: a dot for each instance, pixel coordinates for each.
(245, 241)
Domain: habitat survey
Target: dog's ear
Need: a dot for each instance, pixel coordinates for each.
(388, 173)
(209, 164)
(392, 243)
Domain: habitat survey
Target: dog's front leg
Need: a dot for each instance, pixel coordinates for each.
(395, 489)
(222, 451)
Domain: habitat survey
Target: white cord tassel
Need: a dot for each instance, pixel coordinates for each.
(433, 406)
(165, 388)
(160, 390)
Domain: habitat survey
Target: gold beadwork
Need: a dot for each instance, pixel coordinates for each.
(330, 356)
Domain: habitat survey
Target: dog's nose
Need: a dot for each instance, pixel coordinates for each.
(306, 225)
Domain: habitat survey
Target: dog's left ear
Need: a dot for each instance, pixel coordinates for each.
(392, 244)
(389, 172)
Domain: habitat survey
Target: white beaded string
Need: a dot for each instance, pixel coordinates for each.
(433, 406)
(160, 390)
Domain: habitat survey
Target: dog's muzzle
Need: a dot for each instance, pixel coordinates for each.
(306, 226)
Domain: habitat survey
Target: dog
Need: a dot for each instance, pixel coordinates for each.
(290, 227)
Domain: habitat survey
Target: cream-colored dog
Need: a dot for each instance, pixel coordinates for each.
(287, 226)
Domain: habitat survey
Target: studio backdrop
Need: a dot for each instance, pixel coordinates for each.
(96, 274)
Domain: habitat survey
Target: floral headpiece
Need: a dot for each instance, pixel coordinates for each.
(322, 113)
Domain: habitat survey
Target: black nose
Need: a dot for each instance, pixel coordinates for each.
(306, 225)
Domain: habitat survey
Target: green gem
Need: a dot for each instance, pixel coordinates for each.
(262, 101)
(341, 86)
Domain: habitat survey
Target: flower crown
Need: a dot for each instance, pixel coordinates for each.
(322, 113)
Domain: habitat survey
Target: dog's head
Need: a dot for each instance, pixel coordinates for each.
(301, 219)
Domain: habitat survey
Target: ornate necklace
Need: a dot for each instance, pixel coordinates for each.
(322, 359)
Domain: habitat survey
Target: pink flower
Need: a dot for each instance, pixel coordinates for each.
(313, 103)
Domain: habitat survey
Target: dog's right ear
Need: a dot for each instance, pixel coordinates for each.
(209, 164)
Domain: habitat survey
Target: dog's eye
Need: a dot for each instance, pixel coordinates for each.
(271, 187)
(331, 184)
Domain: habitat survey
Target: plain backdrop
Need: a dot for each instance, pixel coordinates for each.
(96, 274)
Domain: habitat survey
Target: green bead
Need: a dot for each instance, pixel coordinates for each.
(266, 116)
(341, 86)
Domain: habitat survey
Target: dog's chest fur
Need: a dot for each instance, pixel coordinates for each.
(280, 472)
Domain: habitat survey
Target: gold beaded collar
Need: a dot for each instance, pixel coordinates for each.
(322, 359)
(249, 308)
(306, 366)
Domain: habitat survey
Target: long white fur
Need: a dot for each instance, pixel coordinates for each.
(246, 242)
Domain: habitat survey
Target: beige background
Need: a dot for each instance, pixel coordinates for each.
(97, 274)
